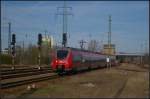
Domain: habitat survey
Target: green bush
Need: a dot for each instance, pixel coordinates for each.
(6, 59)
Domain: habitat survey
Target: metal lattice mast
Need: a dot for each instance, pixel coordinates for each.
(9, 38)
(64, 18)
(64, 14)
(109, 35)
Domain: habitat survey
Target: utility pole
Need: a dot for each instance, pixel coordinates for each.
(109, 35)
(9, 38)
(82, 43)
(65, 14)
(0, 48)
(141, 54)
(146, 48)
(0, 44)
(45, 33)
(109, 40)
(22, 52)
(101, 45)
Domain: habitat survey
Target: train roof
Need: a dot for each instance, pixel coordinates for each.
(78, 49)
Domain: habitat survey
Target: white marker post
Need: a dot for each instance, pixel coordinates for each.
(107, 60)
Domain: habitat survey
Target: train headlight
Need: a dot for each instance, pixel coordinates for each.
(56, 61)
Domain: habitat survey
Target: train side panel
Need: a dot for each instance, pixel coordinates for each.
(85, 60)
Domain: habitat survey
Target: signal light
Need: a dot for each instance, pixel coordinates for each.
(50, 43)
(64, 38)
(13, 50)
(39, 39)
(13, 39)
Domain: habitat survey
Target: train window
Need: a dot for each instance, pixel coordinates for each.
(77, 58)
(61, 54)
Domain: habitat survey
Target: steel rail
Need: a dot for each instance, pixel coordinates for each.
(27, 81)
(24, 74)
(23, 70)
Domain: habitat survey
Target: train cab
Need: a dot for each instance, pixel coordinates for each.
(62, 60)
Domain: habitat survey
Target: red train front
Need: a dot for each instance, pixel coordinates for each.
(62, 60)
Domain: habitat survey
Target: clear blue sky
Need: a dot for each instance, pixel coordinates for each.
(130, 22)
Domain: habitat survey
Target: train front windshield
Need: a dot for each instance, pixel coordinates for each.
(62, 54)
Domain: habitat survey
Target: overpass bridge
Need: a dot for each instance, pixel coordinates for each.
(130, 57)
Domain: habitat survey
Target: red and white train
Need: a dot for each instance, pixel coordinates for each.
(73, 59)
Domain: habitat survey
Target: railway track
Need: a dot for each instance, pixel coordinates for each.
(9, 80)
(23, 74)
(6, 72)
(10, 84)
(20, 76)
(19, 67)
(27, 81)
(133, 70)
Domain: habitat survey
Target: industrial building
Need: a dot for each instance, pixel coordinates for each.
(107, 50)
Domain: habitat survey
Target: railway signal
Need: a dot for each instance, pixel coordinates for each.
(13, 48)
(13, 38)
(39, 39)
(13, 44)
(39, 47)
(64, 39)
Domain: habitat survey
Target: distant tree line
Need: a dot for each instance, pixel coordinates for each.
(29, 55)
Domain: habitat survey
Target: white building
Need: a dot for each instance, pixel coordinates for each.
(48, 40)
